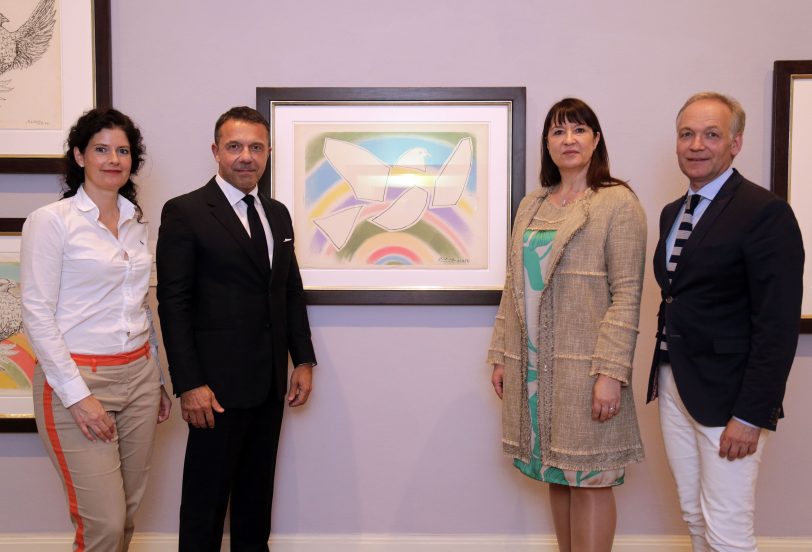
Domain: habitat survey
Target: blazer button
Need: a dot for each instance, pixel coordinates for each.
(669, 299)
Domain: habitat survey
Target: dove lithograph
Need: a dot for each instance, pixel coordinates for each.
(398, 194)
(388, 197)
(30, 65)
(16, 356)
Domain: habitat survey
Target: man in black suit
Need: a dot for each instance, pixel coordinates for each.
(232, 307)
(729, 264)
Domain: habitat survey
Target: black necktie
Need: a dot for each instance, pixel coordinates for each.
(257, 232)
(686, 226)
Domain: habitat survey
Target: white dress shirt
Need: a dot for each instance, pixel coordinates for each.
(234, 197)
(83, 290)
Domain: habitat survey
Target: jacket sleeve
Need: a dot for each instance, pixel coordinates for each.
(176, 264)
(625, 251)
(774, 260)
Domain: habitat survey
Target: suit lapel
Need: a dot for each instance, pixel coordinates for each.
(278, 233)
(712, 213)
(225, 215)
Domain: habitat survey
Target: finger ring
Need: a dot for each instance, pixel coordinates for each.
(611, 408)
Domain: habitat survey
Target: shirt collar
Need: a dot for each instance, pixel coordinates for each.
(709, 190)
(233, 195)
(82, 201)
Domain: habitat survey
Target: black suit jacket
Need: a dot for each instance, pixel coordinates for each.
(733, 307)
(226, 321)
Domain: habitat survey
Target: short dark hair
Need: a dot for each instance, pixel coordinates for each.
(573, 110)
(240, 113)
(88, 125)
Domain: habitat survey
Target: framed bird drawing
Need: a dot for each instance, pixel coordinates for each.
(398, 195)
(16, 356)
(54, 65)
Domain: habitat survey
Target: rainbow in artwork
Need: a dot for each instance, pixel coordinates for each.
(390, 199)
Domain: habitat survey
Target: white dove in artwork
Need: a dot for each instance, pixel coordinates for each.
(21, 48)
(369, 178)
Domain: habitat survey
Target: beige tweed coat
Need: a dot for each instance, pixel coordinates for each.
(589, 313)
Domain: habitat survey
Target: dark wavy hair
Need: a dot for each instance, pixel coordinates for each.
(240, 113)
(573, 110)
(86, 127)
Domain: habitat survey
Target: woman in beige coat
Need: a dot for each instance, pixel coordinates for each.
(564, 336)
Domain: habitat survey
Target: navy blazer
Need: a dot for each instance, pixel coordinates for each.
(226, 321)
(733, 307)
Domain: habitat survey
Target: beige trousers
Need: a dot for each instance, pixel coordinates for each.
(104, 482)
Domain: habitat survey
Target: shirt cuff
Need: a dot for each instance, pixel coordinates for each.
(72, 391)
(748, 424)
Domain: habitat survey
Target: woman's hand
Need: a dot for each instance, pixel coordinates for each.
(497, 378)
(93, 419)
(605, 398)
(165, 407)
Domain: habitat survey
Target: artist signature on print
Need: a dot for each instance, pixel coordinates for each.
(453, 260)
(38, 122)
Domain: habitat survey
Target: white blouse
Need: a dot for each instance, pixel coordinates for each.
(83, 290)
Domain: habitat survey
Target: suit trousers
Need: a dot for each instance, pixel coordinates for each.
(104, 482)
(233, 460)
(717, 496)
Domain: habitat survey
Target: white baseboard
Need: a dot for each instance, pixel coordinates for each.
(167, 542)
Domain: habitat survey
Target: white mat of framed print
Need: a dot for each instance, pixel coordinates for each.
(398, 199)
(792, 162)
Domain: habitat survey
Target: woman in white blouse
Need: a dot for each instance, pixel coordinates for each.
(98, 390)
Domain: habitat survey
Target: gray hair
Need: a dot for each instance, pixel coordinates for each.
(736, 125)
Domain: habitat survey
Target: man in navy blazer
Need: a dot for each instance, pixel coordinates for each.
(232, 308)
(727, 325)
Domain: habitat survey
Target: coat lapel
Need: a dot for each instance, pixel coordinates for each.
(225, 215)
(712, 213)
(278, 233)
(574, 222)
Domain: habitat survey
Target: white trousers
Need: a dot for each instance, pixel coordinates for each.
(717, 495)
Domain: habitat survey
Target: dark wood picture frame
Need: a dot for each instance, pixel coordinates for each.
(515, 97)
(15, 424)
(103, 93)
(784, 73)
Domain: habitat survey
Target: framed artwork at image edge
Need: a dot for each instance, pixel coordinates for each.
(15, 424)
(513, 97)
(103, 91)
(785, 112)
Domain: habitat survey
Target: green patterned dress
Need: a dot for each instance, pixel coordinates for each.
(538, 240)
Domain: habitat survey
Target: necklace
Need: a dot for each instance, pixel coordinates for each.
(572, 197)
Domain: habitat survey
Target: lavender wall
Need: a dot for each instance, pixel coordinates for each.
(402, 432)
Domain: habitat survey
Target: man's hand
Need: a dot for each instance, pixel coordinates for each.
(605, 398)
(93, 419)
(165, 407)
(301, 383)
(738, 440)
(196, 407)
(498, 378)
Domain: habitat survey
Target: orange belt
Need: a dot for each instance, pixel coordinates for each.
(111, 360)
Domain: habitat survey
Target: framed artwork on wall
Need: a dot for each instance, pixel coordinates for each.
(791, 162)
(16, 357)
(61, 68)
(398, 195)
